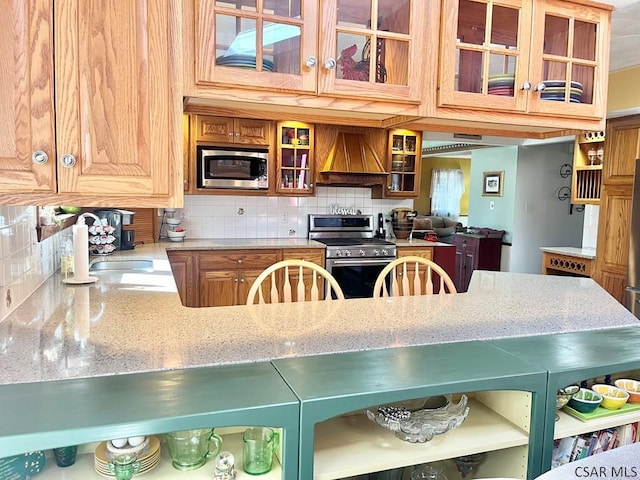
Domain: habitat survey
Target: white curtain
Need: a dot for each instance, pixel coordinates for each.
(447, 187)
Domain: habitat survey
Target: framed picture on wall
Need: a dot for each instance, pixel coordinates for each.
(492, 184)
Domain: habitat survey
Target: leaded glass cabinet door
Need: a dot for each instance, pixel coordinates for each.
(268, 44)
(373, 48)
(569, 60)
(485, 54)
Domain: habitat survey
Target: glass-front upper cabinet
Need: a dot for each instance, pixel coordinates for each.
(403, 163)
(294, 157)
(268, 43)
(373, 47)
(353, 48)
(569, 59)
(533, 56)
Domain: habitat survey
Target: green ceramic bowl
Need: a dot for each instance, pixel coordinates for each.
(585, 401)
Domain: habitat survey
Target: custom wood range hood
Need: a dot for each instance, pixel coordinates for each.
(351, 156)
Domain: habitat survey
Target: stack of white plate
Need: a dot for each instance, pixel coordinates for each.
(148, 457)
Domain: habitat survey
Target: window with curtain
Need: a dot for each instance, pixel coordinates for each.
(447, 187)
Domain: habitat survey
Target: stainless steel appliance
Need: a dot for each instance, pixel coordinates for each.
(233, 167)
(632, 292)
(354, 255)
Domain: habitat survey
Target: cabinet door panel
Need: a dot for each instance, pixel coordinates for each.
(612, 251)
(183, 271)
(26, 101)
(238, 259)
(218, 288)
(622, 148)
(116, 105)
(569, 44)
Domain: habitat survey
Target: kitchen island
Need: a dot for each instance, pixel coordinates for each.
(123, 357)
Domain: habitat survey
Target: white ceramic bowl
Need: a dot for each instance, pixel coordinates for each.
(173, 221)
(176, 236)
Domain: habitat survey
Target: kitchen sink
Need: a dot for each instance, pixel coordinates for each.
(131, 265)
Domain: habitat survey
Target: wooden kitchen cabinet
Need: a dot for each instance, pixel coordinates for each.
(588, 158)
(117, 116)
(225, 276)
(476, 251)
(404, 161)
(295, 165)
(182, 267)
(494, 57)
(313, 255)
(622, 148)
(27, 136)
(322, 49)
(243, 131)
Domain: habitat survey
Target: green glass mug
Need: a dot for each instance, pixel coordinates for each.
(124, 467)
(258, 447)
(189, 449)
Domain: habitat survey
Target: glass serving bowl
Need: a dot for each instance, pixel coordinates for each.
(421, 425)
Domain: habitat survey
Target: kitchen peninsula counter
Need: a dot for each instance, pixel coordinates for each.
(130, 322)
(568, 261)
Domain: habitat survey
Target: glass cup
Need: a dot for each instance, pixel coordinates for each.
(189, 449)
(65, 456)
(124, 467)
(257, 450)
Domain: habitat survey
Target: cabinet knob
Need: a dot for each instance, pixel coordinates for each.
(540, 87)
(330, 64)
(231, 134)
(239, 260)
(68, 160)
(311, 185)
(237, 134)
(525, 86)
(242, 280)
(311, 62)
(40, 157)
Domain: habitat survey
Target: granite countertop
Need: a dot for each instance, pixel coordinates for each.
(589, 253)
(226, 243)
(134, 322)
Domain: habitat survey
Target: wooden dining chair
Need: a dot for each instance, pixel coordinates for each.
(291, 281)
(421, 269)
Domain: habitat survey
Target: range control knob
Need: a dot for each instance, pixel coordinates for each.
(362, 253)
(347, 253)
(376, 252)
(385, 252)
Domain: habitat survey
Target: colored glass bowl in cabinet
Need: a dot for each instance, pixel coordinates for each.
(585, 401)
(613, 397)
(631, 386)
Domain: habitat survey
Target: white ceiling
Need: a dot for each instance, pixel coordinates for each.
(625, 34)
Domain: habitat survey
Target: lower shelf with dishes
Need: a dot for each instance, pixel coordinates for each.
(491, 441)
(601, 423)
(156, 461)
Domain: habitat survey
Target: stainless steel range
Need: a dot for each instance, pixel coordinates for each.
(354, 256)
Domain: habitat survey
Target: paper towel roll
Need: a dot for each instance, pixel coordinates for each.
(81, 251)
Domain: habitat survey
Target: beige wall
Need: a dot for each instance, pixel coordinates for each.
(624, 89)
(423, 204)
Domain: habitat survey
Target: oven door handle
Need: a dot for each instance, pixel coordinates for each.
(361, 261)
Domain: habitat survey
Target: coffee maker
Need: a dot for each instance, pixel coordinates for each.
(113, 235)
(128, 235)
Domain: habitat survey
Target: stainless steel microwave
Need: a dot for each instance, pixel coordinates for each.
(232, 167)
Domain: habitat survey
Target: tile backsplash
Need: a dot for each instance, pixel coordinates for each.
(234, 216)
(24, 263)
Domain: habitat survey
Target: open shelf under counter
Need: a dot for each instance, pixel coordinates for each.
(568, 425)
(83, 468)
(352, 445)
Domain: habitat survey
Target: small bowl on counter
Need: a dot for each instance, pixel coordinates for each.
(585, 401)
(176, 236)
(632, 387)
(613, 398)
